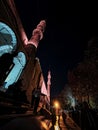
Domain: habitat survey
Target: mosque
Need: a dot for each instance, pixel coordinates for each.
(21, 76)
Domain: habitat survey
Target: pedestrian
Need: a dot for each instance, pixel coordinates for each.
(35, 100)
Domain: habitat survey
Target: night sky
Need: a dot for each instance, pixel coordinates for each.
(69, 27)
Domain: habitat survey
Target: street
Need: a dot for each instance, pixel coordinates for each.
(39, 122)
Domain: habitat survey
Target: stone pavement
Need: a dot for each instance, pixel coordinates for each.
(36, 121)
(60, 124)
(68, 124)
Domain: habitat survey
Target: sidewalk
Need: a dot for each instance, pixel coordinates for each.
(68, 124)
(62, 124)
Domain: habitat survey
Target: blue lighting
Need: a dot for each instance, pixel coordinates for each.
(8, 39)
(19, 61)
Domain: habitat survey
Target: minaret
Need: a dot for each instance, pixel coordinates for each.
(32, 44)
(37, 33)
(48, 85)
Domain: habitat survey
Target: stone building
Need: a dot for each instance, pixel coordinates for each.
(19, 66)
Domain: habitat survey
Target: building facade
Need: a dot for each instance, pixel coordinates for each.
(19, 66)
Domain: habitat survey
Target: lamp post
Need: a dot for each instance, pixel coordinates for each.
(57, 107)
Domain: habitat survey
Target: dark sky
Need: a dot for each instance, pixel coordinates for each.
(69, 27)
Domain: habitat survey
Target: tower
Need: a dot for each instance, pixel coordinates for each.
(48, 85)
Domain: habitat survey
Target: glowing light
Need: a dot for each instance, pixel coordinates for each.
(56, 104)
(44, 125)
(56, 126)
(19, 63)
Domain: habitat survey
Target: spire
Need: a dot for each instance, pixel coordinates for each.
(48, 84)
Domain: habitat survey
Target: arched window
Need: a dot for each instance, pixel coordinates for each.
(8, 39)
(8, 43)
(13, 69)
(19, 61)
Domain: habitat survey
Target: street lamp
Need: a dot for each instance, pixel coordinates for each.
(57, 107)
(56, 104)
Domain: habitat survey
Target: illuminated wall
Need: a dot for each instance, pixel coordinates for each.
(8, 39)
(19, 63)
(8, 43)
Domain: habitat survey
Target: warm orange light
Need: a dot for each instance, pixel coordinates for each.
(56, 104)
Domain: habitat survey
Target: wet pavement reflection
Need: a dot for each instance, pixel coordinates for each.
(56, 126)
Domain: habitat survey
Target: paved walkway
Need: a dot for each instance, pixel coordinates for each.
(60, 124)
(30, 121)
(68, 124)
